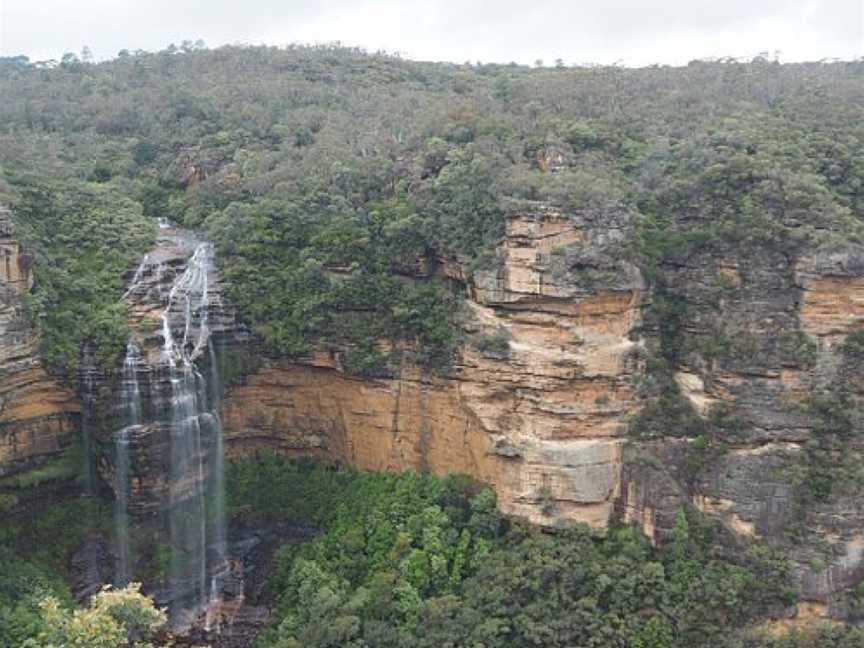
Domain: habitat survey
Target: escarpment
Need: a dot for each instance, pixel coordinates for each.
(565, 348)
(536, 405)
(547, 395)
(38, 415)
(772, 373)
(548, 399)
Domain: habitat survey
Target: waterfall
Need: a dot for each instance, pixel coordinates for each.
(187, 513)
(216, 494)
(88, 404)
(196, 508)
(184, 400)
(130, 414)
(190, 291)
(136, 278)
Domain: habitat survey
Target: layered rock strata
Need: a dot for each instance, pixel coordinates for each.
(542, 414)
(539, 416)
(38, 415)
(763, 474)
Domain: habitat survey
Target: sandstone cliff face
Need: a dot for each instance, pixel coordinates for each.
(541, 421)
(542, 413)
(545, 420)
(785, 322)
(38, 416)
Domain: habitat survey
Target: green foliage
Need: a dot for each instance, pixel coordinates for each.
(85, 238)
(581, 136)
(366, 359)
(325, 174)
(670, 312)
(8, 501)
(829, 466)
(413, 560)
(465, 212)
(666, 413)
(35, 548)
(834, 415)
(68, 466)
(47, 536)
(495, 344)
(818, 636)
(354, 141)
(853, 345)
(800, 349)
(22, 585)
(320, 270)
(113, 619)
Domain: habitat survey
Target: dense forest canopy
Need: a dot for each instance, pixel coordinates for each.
(326, 175)
(416, 561)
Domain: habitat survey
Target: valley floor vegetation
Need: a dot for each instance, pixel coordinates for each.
(411, 560)
(416, 560)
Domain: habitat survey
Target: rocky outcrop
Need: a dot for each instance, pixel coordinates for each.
(782, 322)
(539, 402)
(539, 414)
(38, 415)
(832, 282)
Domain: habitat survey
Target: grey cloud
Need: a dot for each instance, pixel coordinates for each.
(637, 31)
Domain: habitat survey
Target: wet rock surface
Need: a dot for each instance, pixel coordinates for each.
(148, 295)
(92, 567)
(244, 611)
(157, 432)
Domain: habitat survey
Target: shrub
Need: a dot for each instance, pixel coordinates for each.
(113, 619)
(496, 345)
(853, 345)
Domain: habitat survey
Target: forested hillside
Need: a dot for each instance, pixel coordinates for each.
(686, 382)
(324, 173)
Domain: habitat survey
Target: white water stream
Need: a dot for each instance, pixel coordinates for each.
(195, 511)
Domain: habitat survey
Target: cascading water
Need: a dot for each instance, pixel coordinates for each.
(136, 278)
(196, 508)
(183, 399)
(217, 540)
(88, 400)
(130, 413)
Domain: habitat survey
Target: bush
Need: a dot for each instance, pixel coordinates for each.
(68, 466)
(853, 345)
(113, 619)
(496, 345)
(85, 238)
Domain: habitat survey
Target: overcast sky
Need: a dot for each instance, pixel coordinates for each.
(633, 32)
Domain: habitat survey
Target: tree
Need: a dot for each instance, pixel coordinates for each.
(114, 618)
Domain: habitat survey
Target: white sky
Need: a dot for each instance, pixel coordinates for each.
(633, 32)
